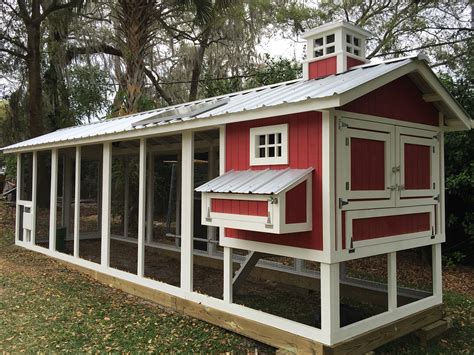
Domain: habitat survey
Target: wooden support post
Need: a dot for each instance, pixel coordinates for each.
(228, 275)
(77, 202)
(34, 195)
(53, 208)
(99, 194)
(436, 263)
(246, 268)
(211, 168)
(392, 281)
(141, 209)
(126, 197)
(18, 197)
(106, 203)
(330, 300)
(178, 200)
(187, 215)
(150, 201)
(67, 193)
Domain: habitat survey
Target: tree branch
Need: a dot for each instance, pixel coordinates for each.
(418, 48)
(13, 53)
(158, 87)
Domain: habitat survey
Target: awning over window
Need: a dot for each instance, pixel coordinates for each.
(266, 182)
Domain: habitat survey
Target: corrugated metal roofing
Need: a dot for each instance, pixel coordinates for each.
(272, 95)
(264, 182)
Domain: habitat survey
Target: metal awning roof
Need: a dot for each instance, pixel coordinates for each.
(276, 95)
(265, 182)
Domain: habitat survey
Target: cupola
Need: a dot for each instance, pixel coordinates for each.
(333, 48)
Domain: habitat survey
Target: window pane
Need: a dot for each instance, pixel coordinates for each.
(271, 151)
(348, 38)
(356, 42)
(279, 152)
(261, 140)
(261, 153)
(330, 50)
(318, 42)
(271, 139)
(356, 52)
(349, 49)
(330, 39)
(279, 138)
(318, 53)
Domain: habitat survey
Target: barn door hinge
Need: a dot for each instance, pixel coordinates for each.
(432, 233)
(347, 185)
(341, 124)
(436, 198)
(396, 169)
(273, 200)
(436, 136)
(348, 141)
(351, 248)
(433, 149)
(342, 203)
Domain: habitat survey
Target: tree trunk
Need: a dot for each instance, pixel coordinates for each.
(196, 71)
(33, 63)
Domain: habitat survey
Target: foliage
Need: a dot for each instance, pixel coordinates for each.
(89, 91)
(275, 70)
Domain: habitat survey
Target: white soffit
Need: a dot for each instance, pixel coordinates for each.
(260, 182)
(276, 95)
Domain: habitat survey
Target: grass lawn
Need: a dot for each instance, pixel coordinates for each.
(46, 307)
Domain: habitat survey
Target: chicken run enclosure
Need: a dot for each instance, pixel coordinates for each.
(288, 213)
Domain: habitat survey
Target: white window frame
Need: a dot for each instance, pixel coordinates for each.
(282, 129)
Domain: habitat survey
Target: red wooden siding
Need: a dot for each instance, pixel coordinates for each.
(296, 204)
(399, 99)
(367, 164)
(244, 207)
(352, 62)
(322, 67)
(304, 150)
(417, 166)
(379, 227)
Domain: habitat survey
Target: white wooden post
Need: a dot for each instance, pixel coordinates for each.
(34, 195)
(106, 203)
(228, 259)
(53, 209)
(77, 202)
(126, 198)
(18, 198)
(149, 197)
(178, 200)
(228, 275)
(330, 301)
(392, 280)
(141, 209)
(187, 216)
(67, 193)
(99, 193)
(211, 168)
(436, 263)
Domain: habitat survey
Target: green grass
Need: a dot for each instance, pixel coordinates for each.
(45, 307)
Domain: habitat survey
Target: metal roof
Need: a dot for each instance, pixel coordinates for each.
(296, 91)
(266, 182)
(272, 95)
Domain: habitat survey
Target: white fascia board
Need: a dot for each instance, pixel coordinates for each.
(310, 104)
(446, 97)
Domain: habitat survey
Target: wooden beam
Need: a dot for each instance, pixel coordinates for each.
(67, 193)
(106, 204)
(53, 208)
(330, 300)
(246, 268)
(392, 280)
(126, 194)
(150, 197)
(18, 197)
(187, 214)
(34, 195)
(433, 97)
(141, 209)
(77, 202)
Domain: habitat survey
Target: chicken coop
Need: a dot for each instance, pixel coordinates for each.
(289, 213)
